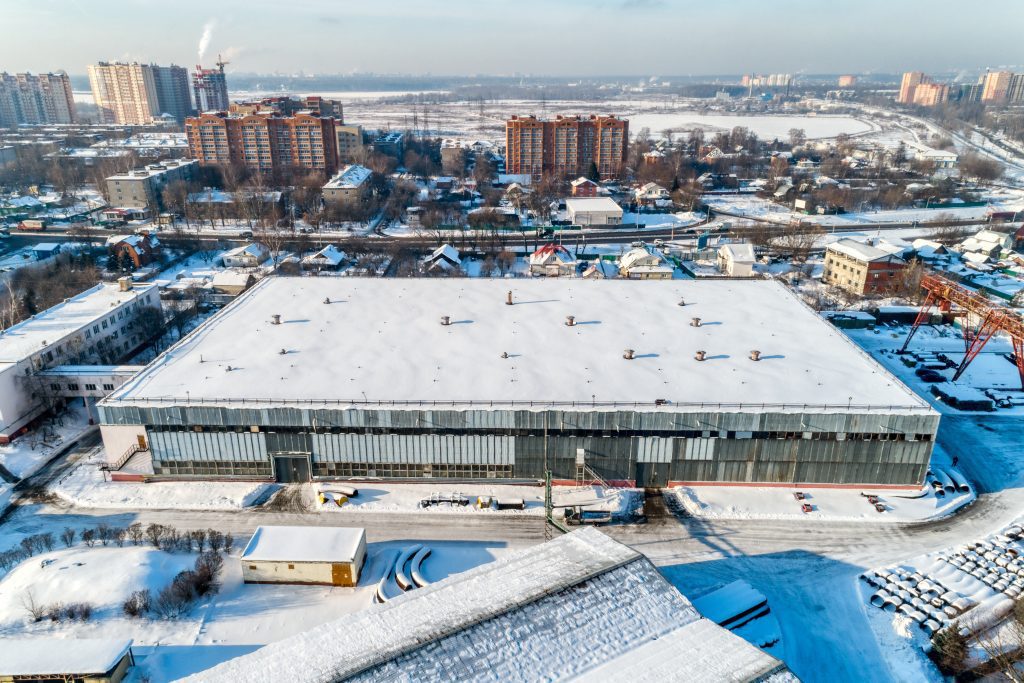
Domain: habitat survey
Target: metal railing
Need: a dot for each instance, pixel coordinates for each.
(667, 404)
(120, 462)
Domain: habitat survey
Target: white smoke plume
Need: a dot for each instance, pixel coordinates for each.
(204, 42)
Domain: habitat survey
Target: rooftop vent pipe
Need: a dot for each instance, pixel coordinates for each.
(682, 302)
(695, 322)
(628, 354)
(283, 352)
(275, 319)
(445, 320)
(570, 320)
(701, 355)
(327, 299)
(755, 355)
(504, 354)
(508, 299)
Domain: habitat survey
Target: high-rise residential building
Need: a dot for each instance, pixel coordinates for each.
(911, 80)
(265, 142)
(210, 88)
(289, 105)
(1015, 93)
(350, 142)
(41, 98)
(847, 81)
(136, 94)
(996, 86)
(930, 94)
(565, 146)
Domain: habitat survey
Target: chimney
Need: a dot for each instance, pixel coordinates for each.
(445, 320)
(755, 355)
(570, 320)
(124, 284)
(695, 322)
(628, 354)
(508, 299)
(701, 355)
(275, 319)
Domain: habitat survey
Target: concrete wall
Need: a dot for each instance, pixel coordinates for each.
(323, 573)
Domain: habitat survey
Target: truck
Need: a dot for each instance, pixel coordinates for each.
(34, 224)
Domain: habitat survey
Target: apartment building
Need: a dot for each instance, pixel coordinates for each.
(908, 84)
(453, 157)
(861, 268)
(996, 86)
(136, 94)
(930, 94)
(348, 186)
(264, 141)
(35, 99)
(97, 326)
(289, 106)
(567, 145)
(349, 142)
(210, 88)
(143, 188)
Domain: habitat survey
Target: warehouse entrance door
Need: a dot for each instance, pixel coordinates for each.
(651, 474)
(291, 469)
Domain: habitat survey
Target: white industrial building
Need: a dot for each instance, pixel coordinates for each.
(581, 607)
(593, 211)
(95, 326)
(652, 382)
(323, 555)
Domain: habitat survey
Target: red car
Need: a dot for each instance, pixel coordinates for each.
(806, 507)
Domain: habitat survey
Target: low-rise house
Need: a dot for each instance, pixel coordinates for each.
(651, 194)
(552, 260)
(232, 282)
(328, 258)
(248, 256)
(988, 242)
(584, 187)
(140, 250)
(929, 250)
(45, 250)
(445, 258)
(317, 555)
(349, 186)
(736, 259)
(640, 263)
(861, 268)
(212, 203)
(599, 269)
(593, 211)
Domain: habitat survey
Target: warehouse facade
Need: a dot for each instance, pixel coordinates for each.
(875, 433)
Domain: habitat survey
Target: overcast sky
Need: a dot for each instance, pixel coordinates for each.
(556, 37)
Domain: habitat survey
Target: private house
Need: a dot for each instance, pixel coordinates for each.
(443, 259)
(328, 258)
(737, 259)
(552, 260)
(248, 256)
(140, 250)
(584, 187)
(639, 263)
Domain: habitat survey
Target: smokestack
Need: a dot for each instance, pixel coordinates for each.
(628, 354)
(701, 355)
(570, 320)
(275, 319)
(695, 322)
(755, 355)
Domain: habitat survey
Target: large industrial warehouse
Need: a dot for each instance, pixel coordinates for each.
(647, 382)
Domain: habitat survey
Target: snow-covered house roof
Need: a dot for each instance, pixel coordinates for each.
(600, 269)
(231, 278)
(445, 256)
(639, 256)
(651, 191)
(737, 252)
(549, 254)
(304, 544)
(859, 251)
(988, 241)
(329, 255)
(60, 656)
(582, 181)
(349, 178)
(254, 249)
(557, 611)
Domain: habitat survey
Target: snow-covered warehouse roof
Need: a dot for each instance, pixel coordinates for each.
(414, 358)
(59, 656)
(304, 544)
(556, 611)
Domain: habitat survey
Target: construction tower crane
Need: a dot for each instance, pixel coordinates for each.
(982, 319)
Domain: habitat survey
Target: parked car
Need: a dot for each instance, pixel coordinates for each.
(927, 375)
(246, 234)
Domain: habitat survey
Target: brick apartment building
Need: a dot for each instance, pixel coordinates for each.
(265, 141)
(566, 145)
(861, 268)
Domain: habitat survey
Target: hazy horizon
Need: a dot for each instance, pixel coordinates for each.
(612, 38)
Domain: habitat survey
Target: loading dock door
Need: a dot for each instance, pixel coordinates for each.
(291, 469)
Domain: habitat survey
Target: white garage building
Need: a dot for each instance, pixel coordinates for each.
(324, 555)
(593, 211)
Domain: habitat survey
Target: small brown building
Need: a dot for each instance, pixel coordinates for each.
(861, 268)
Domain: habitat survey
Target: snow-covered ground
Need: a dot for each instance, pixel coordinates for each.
(483, 498)
(26, 454)
(745, 502)
(235, 620)
(86, 485)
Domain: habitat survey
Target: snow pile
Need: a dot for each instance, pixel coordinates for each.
(26, 454)
(86, 486)
(827, 504)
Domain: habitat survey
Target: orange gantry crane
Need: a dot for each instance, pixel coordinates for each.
(982, 319)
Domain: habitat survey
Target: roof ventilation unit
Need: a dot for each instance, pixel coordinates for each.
(628, 354)
(682, 302)
(570, 320)
(275, 319)
(445, 320)
(695, 322)
(755, 355)
(701, 355)
(508, 299)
